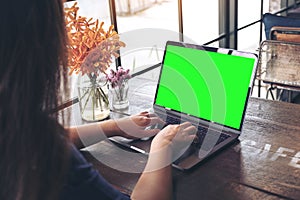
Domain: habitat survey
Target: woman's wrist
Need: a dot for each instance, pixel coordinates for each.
(159, 158)
(111, 128)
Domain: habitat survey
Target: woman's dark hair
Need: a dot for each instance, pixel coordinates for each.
(33, 59)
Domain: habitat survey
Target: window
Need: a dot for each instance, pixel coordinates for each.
(200, 20)
(248, 12)
(145, 26)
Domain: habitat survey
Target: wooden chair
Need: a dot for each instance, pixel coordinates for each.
(271, 20)
(287, 34)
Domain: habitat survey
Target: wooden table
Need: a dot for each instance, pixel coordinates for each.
(263, 164)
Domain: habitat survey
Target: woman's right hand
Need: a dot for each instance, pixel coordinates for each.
(175, 135)
(169, 144)
(158, 171)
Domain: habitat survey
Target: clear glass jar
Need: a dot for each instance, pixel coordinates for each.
(93, 97)
(118, 96)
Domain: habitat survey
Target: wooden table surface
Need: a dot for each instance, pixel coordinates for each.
(263, 164)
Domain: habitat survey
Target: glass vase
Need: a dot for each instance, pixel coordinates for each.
(119, 96)
(93, 97)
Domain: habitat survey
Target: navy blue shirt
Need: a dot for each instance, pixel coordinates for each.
(84, 182)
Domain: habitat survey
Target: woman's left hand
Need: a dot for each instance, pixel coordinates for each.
(135, 126)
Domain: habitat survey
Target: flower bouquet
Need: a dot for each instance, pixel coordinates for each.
(118, 88)
(91, 49)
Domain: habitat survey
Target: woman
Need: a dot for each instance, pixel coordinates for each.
(37, 158)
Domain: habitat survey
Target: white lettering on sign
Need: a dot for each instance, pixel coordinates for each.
(295, 162)
(279, 153)
(263, 153)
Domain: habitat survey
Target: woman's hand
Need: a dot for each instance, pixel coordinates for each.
(175, 136)
(169, 144)
(133, 127)
(156, 180)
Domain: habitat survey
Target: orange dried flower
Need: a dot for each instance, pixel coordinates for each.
(90, 47)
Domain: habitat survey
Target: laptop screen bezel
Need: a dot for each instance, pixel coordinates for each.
(217, 50)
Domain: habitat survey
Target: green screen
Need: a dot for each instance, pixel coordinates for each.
(209, 85)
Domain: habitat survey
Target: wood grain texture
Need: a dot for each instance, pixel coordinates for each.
(263, 164)
(247, 169)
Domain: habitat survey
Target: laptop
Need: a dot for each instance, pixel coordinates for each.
(208, 87)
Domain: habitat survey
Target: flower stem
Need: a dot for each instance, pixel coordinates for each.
(93, 102)
(85, 104)
(105, 99)
(83, 95)
(99, 96)
(118, 95)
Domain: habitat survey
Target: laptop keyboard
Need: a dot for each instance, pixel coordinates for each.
(201, 133)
